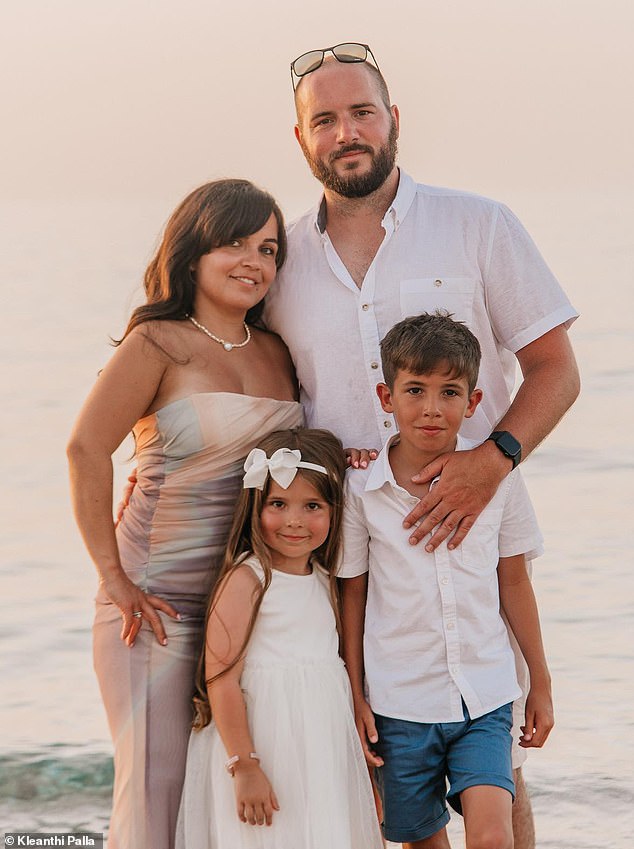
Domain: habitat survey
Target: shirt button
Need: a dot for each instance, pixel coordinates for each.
(365, 307)
(444, 581)
(374, 365)
(454, 670)
(450, 626)
(437, 282)
(386, 423)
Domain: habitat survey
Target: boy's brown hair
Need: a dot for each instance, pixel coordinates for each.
(424, 343)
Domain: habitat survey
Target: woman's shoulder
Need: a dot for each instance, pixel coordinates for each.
(167, 339)
(163, 330)
(271, 341)
(273, 348)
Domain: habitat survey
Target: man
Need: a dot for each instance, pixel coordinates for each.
(379, 248)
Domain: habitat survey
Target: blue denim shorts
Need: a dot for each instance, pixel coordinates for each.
(419, 759)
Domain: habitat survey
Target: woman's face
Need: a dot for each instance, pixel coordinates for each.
(236, 276)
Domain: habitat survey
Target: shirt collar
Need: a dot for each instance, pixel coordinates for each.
(403, 199)
(381, 471)
(397, 211)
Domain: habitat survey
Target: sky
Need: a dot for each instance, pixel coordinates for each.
(149, 98)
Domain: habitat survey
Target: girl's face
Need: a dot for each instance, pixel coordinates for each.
(238, 275)
(294, 522)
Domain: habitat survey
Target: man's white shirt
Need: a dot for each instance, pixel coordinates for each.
(442, 249)
(433, 631)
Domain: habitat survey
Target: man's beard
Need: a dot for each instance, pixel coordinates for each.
(352, 185)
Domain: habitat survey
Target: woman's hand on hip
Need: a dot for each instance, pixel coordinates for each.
(135, 606)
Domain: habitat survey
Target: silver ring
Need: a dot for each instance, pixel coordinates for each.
(138, 614)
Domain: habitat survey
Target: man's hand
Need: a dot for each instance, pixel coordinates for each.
(366, 728)
(125, 496)
(468, 481)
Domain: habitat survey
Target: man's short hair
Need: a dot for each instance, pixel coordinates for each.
(374, 72)
(424, 343)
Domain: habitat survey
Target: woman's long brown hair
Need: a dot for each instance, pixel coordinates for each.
(211, 216)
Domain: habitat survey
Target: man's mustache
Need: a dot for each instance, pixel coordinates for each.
(351, 148)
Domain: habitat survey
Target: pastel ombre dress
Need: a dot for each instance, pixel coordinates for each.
(171, 541)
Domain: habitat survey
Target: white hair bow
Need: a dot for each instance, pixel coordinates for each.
(282, 466)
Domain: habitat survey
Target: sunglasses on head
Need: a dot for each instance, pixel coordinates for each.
(348, 53)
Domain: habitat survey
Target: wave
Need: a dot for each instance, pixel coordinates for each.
(49, 775)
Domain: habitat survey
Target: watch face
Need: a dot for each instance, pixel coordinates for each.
(508, 444)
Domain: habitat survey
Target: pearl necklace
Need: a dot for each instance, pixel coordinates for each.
(228, 346)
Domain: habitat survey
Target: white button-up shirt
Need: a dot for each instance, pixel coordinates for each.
(433, 630)
(442, 249)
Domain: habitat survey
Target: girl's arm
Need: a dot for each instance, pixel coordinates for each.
(354, 594)
(517, 601)
(227, 628)
(123, 392)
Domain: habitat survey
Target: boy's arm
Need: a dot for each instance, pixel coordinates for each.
(227, 628)
(354, 594)
(517, 601)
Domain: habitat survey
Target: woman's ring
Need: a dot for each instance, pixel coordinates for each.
(138, 614)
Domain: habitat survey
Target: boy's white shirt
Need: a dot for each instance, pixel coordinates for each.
(433, 632)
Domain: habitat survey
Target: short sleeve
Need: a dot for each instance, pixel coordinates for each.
(524, 298)
(356, 539)
(519, 531)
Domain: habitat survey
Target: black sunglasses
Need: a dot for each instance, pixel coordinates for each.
(347, 53)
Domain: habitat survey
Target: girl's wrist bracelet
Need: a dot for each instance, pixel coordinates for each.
(230, 764)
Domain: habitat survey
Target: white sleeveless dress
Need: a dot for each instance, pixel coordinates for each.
(300, 715)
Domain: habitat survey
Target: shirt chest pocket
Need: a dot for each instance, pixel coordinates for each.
(428, 294)
(480, 548)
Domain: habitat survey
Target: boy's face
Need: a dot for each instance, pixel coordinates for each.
(429, 408)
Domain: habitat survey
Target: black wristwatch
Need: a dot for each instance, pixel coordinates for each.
(508, 445)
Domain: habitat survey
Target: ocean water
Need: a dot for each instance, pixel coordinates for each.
(70, 275)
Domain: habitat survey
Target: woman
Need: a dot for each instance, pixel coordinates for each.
(199, 386)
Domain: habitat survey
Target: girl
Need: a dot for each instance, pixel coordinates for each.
(280, 764)
(198, 384)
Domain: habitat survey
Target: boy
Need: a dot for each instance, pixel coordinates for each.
(431, 642)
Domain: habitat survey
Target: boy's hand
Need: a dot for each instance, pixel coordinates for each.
(366, 728)
(359, 458)
(539, 718)
(255, 799)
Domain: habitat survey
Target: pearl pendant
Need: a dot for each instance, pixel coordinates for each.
(228, 346)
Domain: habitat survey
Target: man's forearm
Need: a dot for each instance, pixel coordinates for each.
(549, 388)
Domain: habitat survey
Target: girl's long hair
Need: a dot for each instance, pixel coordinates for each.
(210, 217)
(245, 537)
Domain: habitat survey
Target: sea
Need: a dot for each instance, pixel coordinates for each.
(70, 274)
